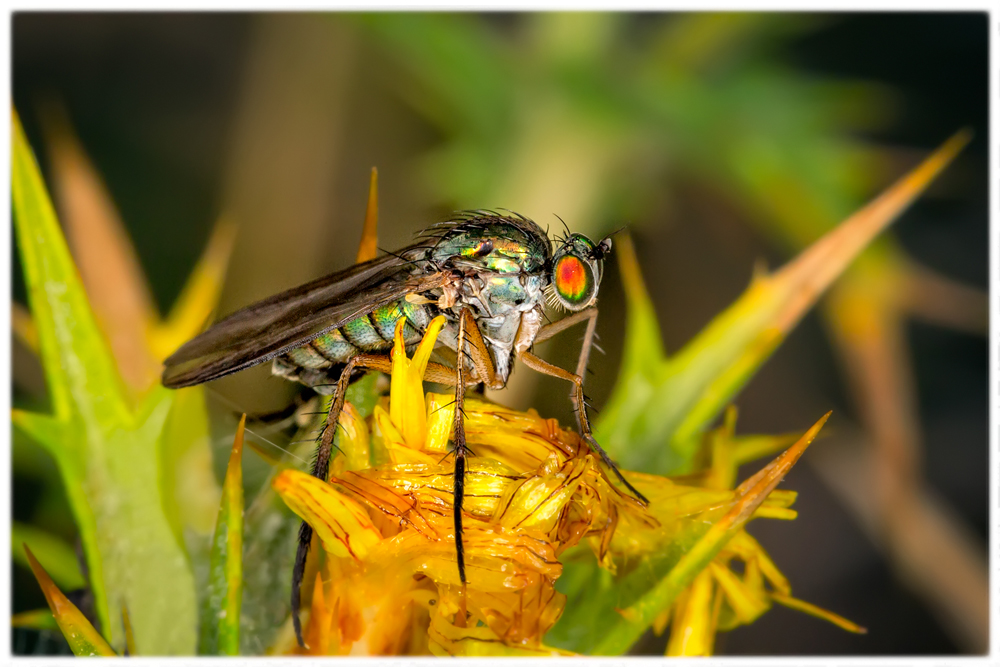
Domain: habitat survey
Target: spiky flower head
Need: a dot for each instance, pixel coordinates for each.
(384, 578)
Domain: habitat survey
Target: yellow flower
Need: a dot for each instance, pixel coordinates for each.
(384, 580)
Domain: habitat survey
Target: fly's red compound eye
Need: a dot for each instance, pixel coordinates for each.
(576, 273)
(574, 280)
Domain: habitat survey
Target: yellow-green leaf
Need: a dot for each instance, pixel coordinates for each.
(107, 451)
(36, 619)
(188, 475)
(83, 639)
(639, 615)
(199, 296)
(643, 341)
(368, 248)
(78, 366)
(130, 648)
(109, 267)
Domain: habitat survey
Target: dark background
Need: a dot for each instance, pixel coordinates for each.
(154, 98)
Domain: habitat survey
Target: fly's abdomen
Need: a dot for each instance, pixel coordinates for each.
(371, 333)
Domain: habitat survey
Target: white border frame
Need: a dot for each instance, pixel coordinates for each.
(526, 5)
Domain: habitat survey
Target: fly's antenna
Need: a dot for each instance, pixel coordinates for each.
(562, 240)
(565, 226)
(604, 247)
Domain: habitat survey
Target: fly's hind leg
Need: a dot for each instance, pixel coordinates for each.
(321, 469)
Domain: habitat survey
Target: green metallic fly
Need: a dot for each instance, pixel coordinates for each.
(488, 273)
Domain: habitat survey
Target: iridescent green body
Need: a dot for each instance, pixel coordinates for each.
(311, 364)
(502, 263)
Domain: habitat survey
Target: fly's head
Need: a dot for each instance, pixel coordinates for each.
(577, 267)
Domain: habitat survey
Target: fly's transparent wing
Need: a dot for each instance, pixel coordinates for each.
(265, 329)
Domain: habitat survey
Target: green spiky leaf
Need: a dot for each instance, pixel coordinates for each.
(107, 452)
(661, 408)
(220, 620)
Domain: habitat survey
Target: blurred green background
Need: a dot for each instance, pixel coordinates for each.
(719, 140)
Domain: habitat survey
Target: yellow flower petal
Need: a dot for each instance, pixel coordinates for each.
(813, 610)
(440, 422)
(354, 439)
(343, 526)
(392, 512)
(406, 393)
(393, 442)
(317, 635)
(746, 602)
(432, 485)
(448, 639)
(691, 631)
(496, 559)
(537, 501)
(766, 511)
(751, 552)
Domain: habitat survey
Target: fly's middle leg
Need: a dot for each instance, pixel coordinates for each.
(460, 447)
(471, 343)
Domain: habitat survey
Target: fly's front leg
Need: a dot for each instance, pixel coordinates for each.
(542, 366)
(321, 469)
(478, 353)
(549, 330)
(588, 342)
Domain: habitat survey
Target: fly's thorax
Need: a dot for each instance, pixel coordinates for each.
(493, 243)
(502, 292)
(503, 262)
